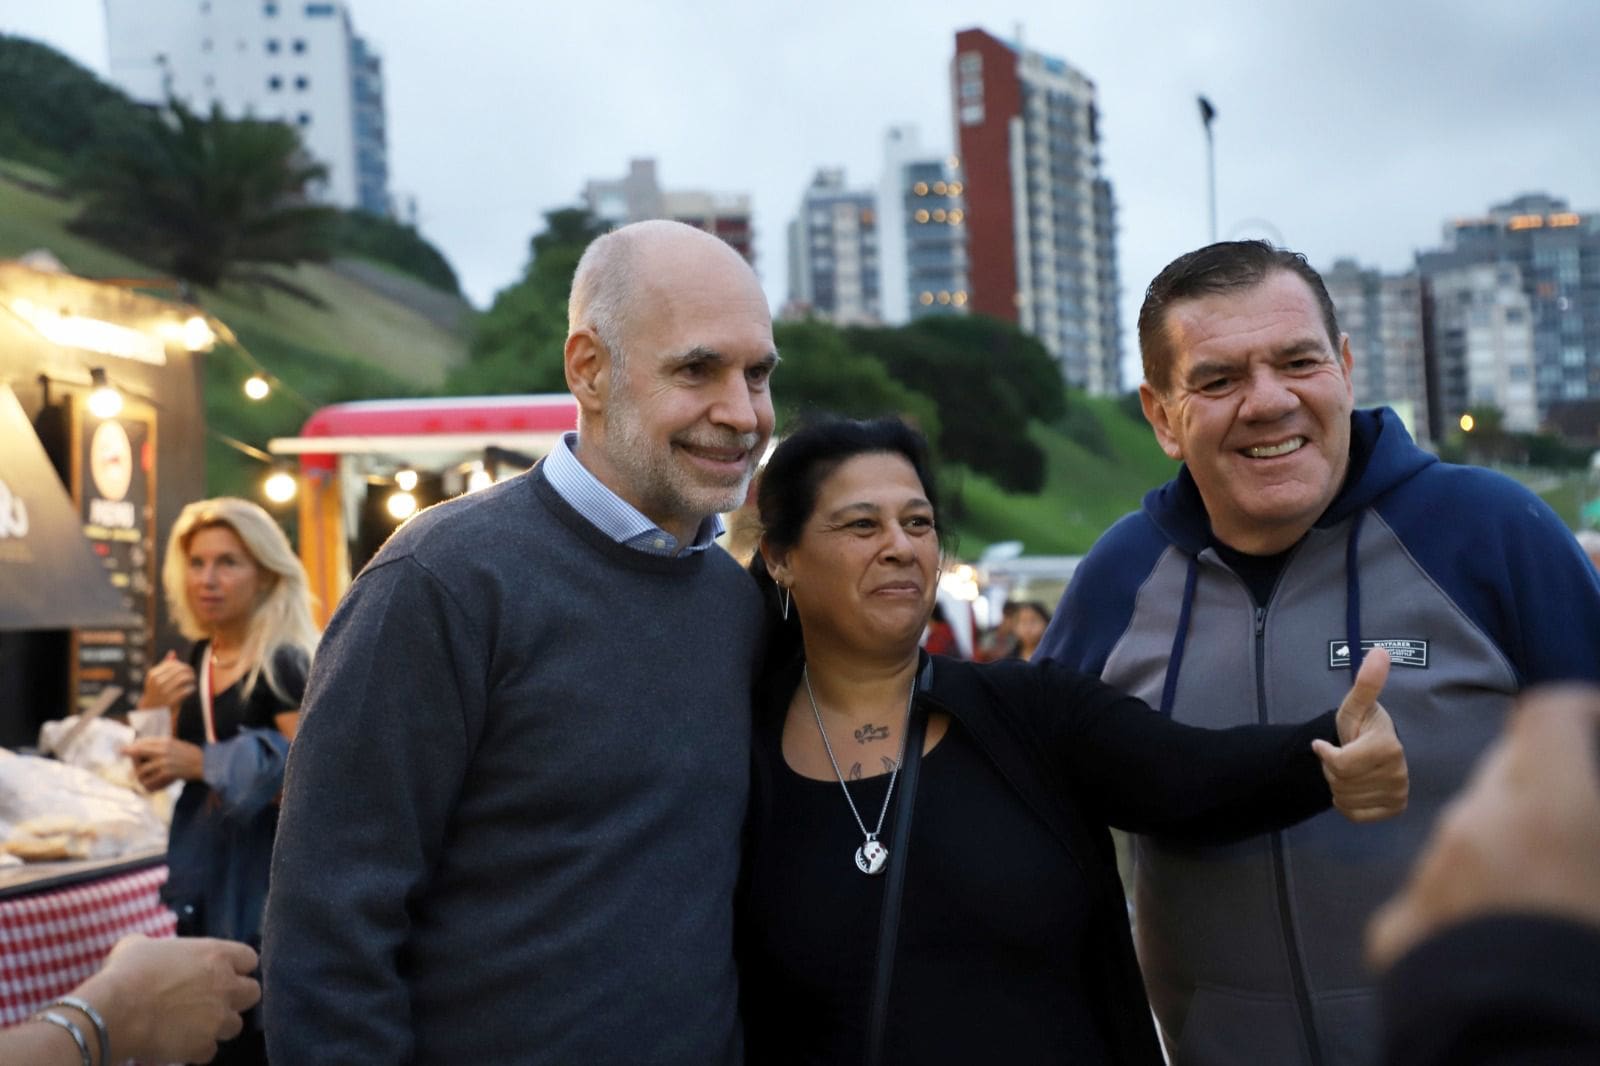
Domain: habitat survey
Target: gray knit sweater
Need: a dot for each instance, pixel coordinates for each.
(511, 819)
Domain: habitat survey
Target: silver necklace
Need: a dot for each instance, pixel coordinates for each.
(871, 855)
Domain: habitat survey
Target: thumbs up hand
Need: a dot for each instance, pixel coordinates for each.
(1367, 772)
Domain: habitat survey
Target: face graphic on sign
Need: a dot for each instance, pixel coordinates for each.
(111, 460)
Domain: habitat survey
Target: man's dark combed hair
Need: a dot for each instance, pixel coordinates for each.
(1217, 268)
(786, 492)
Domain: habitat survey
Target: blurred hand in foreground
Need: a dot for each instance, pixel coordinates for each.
(1523, 836)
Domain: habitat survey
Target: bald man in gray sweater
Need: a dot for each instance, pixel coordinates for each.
(511, 818)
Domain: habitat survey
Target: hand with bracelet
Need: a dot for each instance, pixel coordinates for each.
(153, 1000)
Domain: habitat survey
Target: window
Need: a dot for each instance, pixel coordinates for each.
(274, 83)
(302, 82)
(299, 46)
(314, 11)
(205, 44)
(269, 10)
(272, 46)
(303, 118)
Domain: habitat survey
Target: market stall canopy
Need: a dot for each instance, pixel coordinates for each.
(456, 427)
(50, 578)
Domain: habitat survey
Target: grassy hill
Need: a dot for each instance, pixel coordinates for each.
(1084, 493)
(388, 336)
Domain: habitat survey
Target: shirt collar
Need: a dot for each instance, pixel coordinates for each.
(610, 513)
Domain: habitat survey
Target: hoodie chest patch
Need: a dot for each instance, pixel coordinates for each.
(1402, 651)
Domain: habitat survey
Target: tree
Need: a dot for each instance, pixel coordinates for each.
(517, 344)
(204, 198)
(821, 373)
(50, 107)
(989, 381)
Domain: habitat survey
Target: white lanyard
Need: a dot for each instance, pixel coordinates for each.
(206, 714)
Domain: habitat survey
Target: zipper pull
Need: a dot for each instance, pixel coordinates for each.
(1261, 620)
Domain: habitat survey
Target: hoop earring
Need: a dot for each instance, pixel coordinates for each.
(783, 601)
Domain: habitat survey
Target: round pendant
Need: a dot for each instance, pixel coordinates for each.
(871, 856)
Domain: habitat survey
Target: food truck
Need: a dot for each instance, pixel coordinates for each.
(102, 437)
(366, 466)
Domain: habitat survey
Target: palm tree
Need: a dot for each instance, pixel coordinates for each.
(205, 198)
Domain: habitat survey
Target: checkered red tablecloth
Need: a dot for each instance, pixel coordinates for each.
(51, 940)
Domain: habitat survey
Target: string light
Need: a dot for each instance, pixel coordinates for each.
(104, 400)
(256, 387)
(405, 480)
(401, 505)
(198, 335)
(280, 485)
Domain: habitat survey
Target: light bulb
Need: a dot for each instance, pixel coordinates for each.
(401, 505)
(104, 400)
(280, 486)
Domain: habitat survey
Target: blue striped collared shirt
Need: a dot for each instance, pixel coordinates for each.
(610, 513)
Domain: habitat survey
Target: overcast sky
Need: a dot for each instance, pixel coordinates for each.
(1350, 128)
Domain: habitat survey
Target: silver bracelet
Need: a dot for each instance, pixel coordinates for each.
(72, 1030)
(93, 1015)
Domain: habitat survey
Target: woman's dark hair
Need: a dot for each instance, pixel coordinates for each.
(786, 495)
(1036, 607)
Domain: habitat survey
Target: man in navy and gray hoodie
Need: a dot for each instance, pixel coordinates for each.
(1299, 534)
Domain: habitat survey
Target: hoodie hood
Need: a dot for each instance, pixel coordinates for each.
(1382, 455)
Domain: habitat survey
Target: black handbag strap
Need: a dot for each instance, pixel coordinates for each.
(894, 885)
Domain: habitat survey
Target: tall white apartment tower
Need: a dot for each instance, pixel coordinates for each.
(922, 240)
(295, 61)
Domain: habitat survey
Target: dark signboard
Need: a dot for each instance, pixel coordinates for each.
(49, 579)
(113, 477)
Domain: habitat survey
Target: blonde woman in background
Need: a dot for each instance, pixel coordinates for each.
(237, 590)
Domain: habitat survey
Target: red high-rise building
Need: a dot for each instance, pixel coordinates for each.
(1040, 218)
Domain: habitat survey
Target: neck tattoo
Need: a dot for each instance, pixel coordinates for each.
(871, 855)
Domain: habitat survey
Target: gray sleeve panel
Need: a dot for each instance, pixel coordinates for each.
(1208, 918)
(1138, 662)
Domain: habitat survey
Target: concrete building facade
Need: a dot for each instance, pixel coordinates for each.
(833, 252)
(638, 195)
(922, 239)
(1383, 314)
(297, 62)
(1039, 215)
(1552, 254)
(1484, 340)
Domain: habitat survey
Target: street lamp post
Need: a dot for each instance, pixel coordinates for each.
(1207, 115)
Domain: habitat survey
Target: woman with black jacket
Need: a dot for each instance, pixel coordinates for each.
(929, 877)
